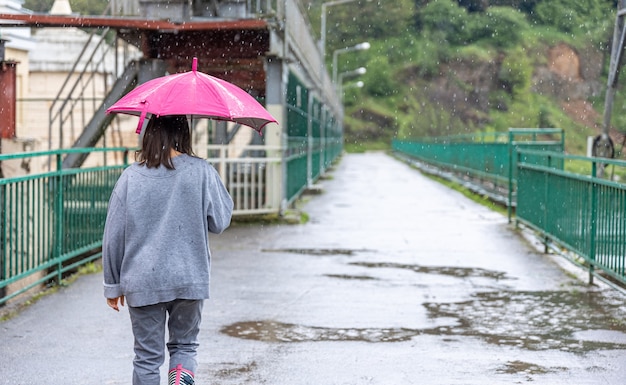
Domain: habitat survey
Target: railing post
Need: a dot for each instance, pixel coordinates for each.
(518, 156)
(510, 192)
(546, 197)
(594, 220)
(58, 204)
(3, 235)
(309, 134)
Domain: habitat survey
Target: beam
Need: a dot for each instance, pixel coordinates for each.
(41, 20)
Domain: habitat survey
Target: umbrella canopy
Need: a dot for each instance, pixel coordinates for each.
(193, 93)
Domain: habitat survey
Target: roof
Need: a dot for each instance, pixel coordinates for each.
(45, 20)
(233, 50)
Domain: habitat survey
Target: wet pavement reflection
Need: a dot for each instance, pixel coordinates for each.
(536, 320)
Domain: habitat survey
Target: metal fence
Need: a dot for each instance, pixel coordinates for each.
(51, 222)
(251, 174)
(483, 161)
(314, 138)
(584, 213)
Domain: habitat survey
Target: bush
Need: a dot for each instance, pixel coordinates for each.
(378, 81)
(503, 26)
(571, 16)
(516, 71)
(447, 18)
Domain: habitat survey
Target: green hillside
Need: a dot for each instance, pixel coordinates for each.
(443, 67)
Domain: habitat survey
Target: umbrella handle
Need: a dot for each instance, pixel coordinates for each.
(142, 117)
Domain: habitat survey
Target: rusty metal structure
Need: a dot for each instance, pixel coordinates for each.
(7, 95)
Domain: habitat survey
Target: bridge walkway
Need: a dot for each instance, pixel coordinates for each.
(395, 279)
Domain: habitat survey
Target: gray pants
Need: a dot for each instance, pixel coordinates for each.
(148, 324)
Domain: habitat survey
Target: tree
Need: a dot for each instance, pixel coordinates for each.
(352, 23)
(504, 25)
(447, 18)
(378, 79)
(571, 16)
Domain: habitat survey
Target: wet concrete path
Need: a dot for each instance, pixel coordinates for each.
(394, 280)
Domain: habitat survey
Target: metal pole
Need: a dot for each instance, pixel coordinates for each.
(323, 27)
(617, 56)
(509, 206)
(594, 221)
(358, 47)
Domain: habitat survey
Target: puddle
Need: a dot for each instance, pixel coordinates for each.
(271, 331)
(351, 277)
(233, 370)
(536, 321)
(601, 335)
(520, 367)
(567, 321)
(321, 252)
(458, 272)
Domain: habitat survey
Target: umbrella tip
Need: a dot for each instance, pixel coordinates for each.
(194, 64)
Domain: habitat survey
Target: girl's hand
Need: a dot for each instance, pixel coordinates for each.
(112, 302)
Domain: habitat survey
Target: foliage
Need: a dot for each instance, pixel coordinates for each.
(513, 34)
(39, 6)
(516, 71)
(503, 26)
(374, 21)
(571, 16)
(378, 81)
(89, 7)
(445, 17)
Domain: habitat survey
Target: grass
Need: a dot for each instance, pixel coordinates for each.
(480, 199)
(292, 216)
(362, 147)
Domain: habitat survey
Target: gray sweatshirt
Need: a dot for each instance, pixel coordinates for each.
(156, 243)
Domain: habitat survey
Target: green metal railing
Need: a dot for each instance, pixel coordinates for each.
(52, 222)
(483, 159)
(314, 139)
(584, 213)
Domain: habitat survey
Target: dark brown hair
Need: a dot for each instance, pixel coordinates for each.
(162, 134)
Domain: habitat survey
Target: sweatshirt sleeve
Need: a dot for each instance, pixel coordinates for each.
(220, 207)
(113, 246)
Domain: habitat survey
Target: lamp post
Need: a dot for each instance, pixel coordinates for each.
(358, 47)
(358, 84)
(323, 26)
(356, 72)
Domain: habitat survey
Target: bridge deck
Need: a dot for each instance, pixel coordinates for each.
(394, 280)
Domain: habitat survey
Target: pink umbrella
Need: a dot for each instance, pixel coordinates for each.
(193, 93)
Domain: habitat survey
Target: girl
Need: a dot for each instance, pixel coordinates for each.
(155, 249)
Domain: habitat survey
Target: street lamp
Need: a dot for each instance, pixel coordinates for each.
(358, 84)
(356, 72)
(358, 47)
